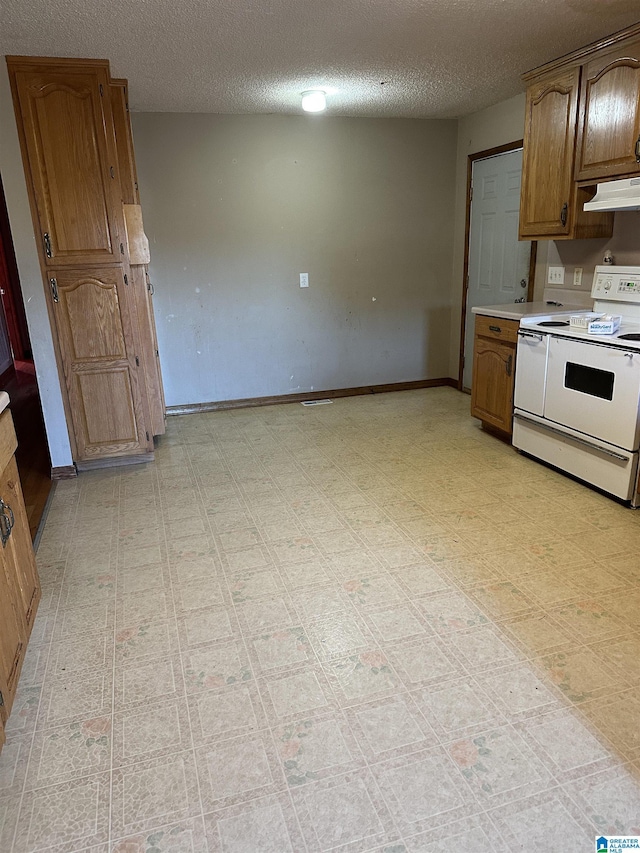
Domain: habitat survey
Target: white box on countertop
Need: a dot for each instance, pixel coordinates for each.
(607, 324)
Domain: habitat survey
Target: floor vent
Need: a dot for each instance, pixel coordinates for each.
(316, 402)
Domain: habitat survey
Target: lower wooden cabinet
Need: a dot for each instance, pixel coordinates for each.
(494, 363)
(19, 584)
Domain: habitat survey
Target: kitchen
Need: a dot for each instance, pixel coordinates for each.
(408, 588)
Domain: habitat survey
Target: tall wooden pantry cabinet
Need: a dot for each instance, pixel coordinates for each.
(78, 157)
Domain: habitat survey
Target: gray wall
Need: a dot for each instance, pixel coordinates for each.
(237, 206)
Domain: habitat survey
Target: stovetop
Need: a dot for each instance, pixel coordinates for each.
(561, 327)
(615, 290)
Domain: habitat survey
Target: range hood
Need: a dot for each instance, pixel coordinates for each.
(616, 195)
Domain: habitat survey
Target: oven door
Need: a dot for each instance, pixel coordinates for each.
(595, 389)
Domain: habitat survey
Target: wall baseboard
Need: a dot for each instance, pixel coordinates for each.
(64, 472)
(220, 405)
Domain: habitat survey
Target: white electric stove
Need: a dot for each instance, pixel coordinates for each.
(577, 395)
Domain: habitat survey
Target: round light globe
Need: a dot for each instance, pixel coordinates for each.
(314, 101)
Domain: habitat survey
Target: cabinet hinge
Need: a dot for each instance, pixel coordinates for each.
(471, 193)
(157, 354)
(121, 249)
(101, 90)
(1, 699)
(147, 435)
(126, 279)
(137, 362)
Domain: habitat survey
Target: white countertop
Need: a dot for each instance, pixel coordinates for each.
(518, 310)
(4, 400)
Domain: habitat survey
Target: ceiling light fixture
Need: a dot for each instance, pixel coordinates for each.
(314, 101)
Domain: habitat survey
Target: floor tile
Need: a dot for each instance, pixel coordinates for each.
(499, 766)
(64, 817)
(266, 825)
(238, 769)
(150, 730)
(388, 728)
(344, 813)
(457, 709)
(312, 749)
(66, 753)
(187, 836)
(149, 793)
(292, 694)
(529, 824)
(362, 676)
(609, 801)
(423, 791)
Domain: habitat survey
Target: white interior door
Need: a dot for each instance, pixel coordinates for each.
(498, 261)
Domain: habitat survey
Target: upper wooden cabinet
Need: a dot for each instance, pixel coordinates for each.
(582, 126)
(609, 128)
(547, 166)
(65, 111)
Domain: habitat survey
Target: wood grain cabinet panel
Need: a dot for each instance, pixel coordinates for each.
(551, 202)
(141, 287)
(77, 151)
(72, 161)
(609, 132)
(19, 584)
(93, 311)
(547, 168)
(494, 357)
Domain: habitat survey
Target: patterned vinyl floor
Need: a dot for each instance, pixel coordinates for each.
(365, 626)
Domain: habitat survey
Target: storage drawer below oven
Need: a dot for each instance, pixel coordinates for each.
(609, 468)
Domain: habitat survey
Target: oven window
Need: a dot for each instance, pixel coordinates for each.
(589, 380)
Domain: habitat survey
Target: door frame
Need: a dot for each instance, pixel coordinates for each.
(471, 159)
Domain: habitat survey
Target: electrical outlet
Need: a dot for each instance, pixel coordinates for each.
(555, 275)
(304, 279)
(577, 277)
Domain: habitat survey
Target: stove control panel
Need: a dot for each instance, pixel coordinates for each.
(617, 284)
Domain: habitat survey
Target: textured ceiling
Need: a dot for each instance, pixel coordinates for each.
(413, 58)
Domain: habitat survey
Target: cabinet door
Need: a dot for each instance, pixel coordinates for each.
(98, 345)
(12, 638)
(64, 115)
(549, 145)
(149, 348)
(492, 388)
(609, 134)
(124, 141)
(18, 550)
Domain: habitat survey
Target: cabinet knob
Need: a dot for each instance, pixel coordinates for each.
(7, 520)
(563, 213)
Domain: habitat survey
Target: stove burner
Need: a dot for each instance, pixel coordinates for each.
(630, 336)
(554, 323)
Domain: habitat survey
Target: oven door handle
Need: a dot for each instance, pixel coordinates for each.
(535, 335)
(589, 444)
